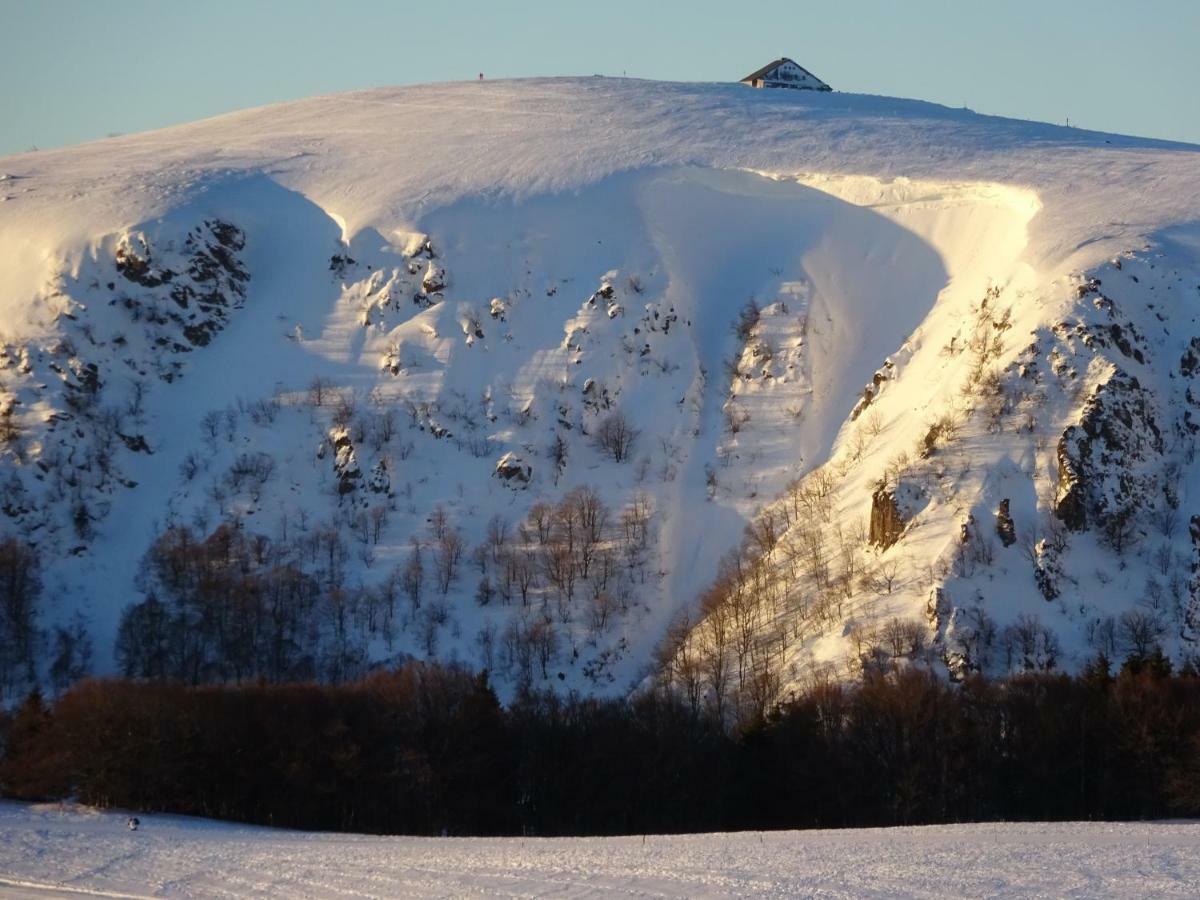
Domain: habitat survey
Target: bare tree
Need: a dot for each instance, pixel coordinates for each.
(413, 576)
(714, 655)
(497, 535)
(446, 557)
(439, 522)
(903, 637)
(379, 517)
(544, 637)
(541, 517)
(592, 515)
(882, 579)
(616, 437)
(1139, 631)
(318, 390)
(485, 640)
(20, 588)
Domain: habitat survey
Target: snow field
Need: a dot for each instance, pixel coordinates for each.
(48, 852)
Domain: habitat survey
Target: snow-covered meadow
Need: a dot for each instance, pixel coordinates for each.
(47, 851)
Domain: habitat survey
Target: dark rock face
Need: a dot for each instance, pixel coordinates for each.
(136, 443)
(1189, 362)
(339, 263)
(136, 265)
(1046, 571)
(1070, 507)
(1106, 462)
(1004, 525)
(198, 300)
(887, 524)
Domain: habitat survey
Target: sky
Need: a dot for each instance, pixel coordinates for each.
(75, 70)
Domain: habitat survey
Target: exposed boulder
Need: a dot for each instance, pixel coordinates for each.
(345, 462)
(513, 470)
(434, 279)
(1004, 525)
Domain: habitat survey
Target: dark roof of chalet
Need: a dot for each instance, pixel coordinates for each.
(775, 65)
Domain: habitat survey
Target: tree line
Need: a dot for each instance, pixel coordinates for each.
(429, 749)
(29, 653)
(233, 605)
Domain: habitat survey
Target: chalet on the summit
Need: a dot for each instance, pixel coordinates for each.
(785, 73)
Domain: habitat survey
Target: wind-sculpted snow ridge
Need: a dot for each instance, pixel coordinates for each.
(52, 851)
(498, 372)
(1028, 512)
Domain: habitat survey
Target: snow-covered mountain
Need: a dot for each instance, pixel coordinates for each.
(569, 343)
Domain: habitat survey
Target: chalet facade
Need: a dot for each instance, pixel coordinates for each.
(785, 73)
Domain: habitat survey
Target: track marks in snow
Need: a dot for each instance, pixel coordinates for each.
(44, 852)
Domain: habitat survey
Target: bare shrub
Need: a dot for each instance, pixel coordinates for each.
(616, 437)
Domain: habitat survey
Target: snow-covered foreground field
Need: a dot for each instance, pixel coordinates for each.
(45, 851)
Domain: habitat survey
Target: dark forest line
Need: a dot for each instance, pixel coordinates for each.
(428, 749)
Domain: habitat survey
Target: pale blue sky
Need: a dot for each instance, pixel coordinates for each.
(73, 70)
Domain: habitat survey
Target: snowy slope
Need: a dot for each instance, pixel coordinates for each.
(47, 852)
(327, 319)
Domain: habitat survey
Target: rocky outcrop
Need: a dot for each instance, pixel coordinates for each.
(513, 470)
(1191, 613)
(380, 481)
(198, 299)
(134, 262)
(1106, 463)
(345, 462)
(937, 607)
(434, 280)
(1005, 528)
(864, 401)
(1047, 572)
(887, 523)
(1069, 504)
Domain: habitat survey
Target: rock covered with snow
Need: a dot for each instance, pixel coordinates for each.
(513, 470)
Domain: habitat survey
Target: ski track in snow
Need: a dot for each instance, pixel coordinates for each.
(47, 852)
